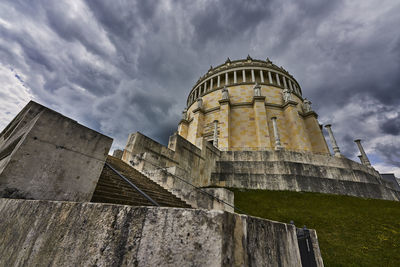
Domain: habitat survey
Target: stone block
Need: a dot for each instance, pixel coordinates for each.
(45, 155)
(51, 233)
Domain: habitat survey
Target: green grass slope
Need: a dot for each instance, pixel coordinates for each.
(351, 231)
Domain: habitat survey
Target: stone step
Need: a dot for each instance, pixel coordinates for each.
(291, 168)
(162, 201)
(117, 187)
(113, 189)
(116, 200)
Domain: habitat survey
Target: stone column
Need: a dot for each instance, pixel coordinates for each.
(278, 145)
(277, 79)
(270, 77)
(215, 136)
(361, 159)
(262, 76)
(284, 82)
(226, 78)
(219, 81)
(335, 147)
(364, 157)
(253, 78)
(290, 85)
(244, 75)
(234, 77)
(205, 87)
(211, 83)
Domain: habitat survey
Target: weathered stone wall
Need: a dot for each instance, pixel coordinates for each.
(50, 233)
(294, 171)
(55, 157)
(118, 153)
(196, 164)
(270, 170)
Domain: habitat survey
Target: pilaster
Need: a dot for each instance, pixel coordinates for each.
(298, 134)
(183, 128)
(224, 124)
(198, 125)
(314, 131)
(260, 118)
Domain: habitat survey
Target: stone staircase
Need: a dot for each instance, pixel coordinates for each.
(112, 189)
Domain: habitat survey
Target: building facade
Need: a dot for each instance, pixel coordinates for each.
(251, 105)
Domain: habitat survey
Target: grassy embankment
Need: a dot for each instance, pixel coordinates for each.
(351, 231)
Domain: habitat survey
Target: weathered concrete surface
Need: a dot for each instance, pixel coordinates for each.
(197, 164)
(118, 153)
(315, 245)
(48, 233)
(271, 170)
(52, 158)
(173, 180)
(295, 171)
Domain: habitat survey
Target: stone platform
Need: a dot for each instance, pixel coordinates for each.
(270, 170)
(295, 171)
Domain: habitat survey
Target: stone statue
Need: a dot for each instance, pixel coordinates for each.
(225, 93)
(257, 90)
(287, 96)
(199, 103)
(306, 105)
(184, 114)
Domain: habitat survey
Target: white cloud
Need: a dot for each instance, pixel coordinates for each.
(14, 95)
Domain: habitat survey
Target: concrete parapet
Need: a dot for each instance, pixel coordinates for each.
(172, 180)
(50, 233)
(145, 154)
(45, 155)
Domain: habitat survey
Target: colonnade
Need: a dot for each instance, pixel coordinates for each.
(239, 76)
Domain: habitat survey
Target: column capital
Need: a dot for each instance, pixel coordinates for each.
(184, 121)
(289, 103)
(198, 110)
(308, 114)
(224, 101)
(258, 99)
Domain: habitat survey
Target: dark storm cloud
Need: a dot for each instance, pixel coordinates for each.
(127, 66)
(391, 126)
(224, 20)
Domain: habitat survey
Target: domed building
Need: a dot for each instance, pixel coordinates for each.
(247, 125)
(247, 105)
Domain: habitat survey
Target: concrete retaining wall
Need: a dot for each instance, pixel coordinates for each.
(294, 171)
(271, 170)
(50, 233)
(46, 155)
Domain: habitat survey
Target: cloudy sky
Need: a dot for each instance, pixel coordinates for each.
(125, 66)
